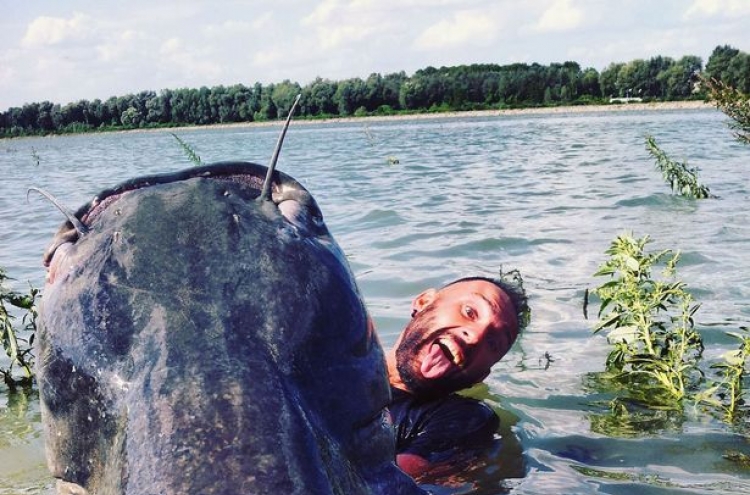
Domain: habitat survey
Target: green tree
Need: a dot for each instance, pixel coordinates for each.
(629, 78)
(717, 66)
(283, 95)
(679, 79)
(48, 118)
(131, 117)
(318, 98)
(608, 80)
(242, 101)
(739, 72)
(267, 110)
(589, 83)
(392, 88)
(350, 95)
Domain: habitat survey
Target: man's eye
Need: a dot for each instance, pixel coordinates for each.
(470, 312)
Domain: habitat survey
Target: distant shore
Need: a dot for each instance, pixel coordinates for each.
(573, 109)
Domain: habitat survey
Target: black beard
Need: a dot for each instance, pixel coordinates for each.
(417, 334)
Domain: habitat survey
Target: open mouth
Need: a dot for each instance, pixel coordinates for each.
(452, 351)
(443, 356)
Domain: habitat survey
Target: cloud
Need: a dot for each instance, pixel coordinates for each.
(269, 58)
(232, 28)
(46, 30)
(338, 24)
(710, 8)
(464, 28)
(342, 35)
(562, 15)
(7, 68)
(121, 46)
(322, 13)
(190, 62)
(262, 22)
(171, 46)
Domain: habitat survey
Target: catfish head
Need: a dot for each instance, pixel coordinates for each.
(199, 338)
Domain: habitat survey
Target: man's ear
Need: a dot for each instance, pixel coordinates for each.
(423, 300)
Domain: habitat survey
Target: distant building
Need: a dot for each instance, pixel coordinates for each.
(626, 100)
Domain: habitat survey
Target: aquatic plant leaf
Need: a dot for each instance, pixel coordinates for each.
(627, 334)
(611, 319)
(188, 150)
(736, 335)
(733, 102)
(682, 179)
(605, 270)
(734, 358)
(632, 264)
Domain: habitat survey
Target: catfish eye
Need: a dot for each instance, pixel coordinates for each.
(293, 212)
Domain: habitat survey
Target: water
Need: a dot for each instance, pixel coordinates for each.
(542, 193)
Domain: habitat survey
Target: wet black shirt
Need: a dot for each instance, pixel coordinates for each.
(438, 429)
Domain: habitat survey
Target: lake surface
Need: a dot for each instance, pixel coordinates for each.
(542, 193)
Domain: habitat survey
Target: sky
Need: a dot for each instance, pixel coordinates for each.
(63, 51)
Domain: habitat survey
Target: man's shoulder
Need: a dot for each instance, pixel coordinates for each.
(430, 426)
(407, 402)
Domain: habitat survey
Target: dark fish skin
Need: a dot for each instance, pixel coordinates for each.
(196, 340)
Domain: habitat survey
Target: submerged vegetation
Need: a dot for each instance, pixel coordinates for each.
(649, 321)
(17, 340)
(188, 150)
(656, 357)
(682, 179)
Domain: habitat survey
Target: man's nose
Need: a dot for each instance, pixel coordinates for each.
(473, 334)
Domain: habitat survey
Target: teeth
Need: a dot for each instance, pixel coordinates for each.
(456, 355)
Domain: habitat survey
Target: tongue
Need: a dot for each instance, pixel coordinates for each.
(435, 363)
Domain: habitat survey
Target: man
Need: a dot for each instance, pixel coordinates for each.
(455, 336)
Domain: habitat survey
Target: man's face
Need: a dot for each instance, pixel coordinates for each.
(455, 337)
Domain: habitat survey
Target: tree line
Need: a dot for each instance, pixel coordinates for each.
(464, 87)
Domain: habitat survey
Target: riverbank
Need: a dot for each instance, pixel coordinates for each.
(629, 107)
(562, 110)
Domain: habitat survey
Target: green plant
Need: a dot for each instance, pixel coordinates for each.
(390, 159)
(650, 322)
(188, 150)
(656, 350)
(17, 347)
(682, 179)
(725, 394)
(734, 103)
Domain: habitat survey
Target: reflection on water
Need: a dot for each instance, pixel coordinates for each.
(545, 194)
(22, 464)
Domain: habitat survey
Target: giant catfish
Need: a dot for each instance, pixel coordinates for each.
(197, 337)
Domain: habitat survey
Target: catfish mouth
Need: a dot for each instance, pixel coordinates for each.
(250, 175)
(289, 197)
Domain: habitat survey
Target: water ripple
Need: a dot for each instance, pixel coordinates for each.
(545, 194)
